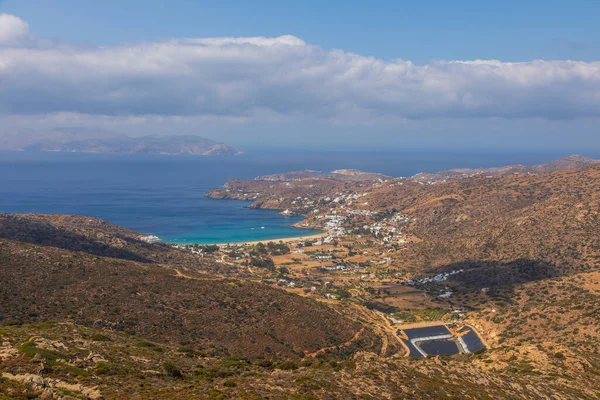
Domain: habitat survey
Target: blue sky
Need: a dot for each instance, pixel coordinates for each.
(446, 74)
(424, 30)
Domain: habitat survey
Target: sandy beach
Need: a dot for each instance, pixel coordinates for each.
(277, 240)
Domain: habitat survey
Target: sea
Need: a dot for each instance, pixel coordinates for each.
(164, 195)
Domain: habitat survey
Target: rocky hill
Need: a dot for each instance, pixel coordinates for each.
(523, 247)
(90, 363)
(573, 161)
(548, 217)
(99, 275)
(110, 142)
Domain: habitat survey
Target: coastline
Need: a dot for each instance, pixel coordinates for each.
(286, 239)
(277, 240)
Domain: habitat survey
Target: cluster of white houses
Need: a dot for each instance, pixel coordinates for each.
(437, 278)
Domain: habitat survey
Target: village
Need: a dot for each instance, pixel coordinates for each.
(352, 260)
(361, 257)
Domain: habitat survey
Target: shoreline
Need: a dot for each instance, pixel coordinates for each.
(277, 240)
(255, 242)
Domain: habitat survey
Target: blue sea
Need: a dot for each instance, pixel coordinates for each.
(164, 195)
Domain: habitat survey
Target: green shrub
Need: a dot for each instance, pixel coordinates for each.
(98, 337)
(186, 350)
(234, 362)
(73, 371)
(172, 370)
(148, 345)
(559, 356)
(265, 363)
(106, 368)
(286, 365)
(30, 350)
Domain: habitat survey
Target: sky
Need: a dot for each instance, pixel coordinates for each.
(393, 74)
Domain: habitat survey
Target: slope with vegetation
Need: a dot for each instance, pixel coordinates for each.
(170, 303)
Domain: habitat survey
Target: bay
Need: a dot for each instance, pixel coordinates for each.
(164, 195)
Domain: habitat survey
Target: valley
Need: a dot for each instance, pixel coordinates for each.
(481, 286)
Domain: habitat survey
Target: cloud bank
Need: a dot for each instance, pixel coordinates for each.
(254, 77)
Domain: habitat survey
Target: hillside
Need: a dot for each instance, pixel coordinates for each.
(515, 255)
(93, 364)
(110, 142)
(340, 175)
(549, 218)
(569, 162)
(66, 280)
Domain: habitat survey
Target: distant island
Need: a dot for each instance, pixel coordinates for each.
(75, 141)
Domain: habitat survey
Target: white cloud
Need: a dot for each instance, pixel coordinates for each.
(12, 29)
(284, 76)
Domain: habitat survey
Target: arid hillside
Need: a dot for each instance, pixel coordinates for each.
(546, 217)
(570, 162)
(550, 218)
(92, 363)
(169, 303)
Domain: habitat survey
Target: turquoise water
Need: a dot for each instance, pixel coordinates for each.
(164, 195)
(231, 221)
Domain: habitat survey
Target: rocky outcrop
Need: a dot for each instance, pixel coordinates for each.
(46, 387)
